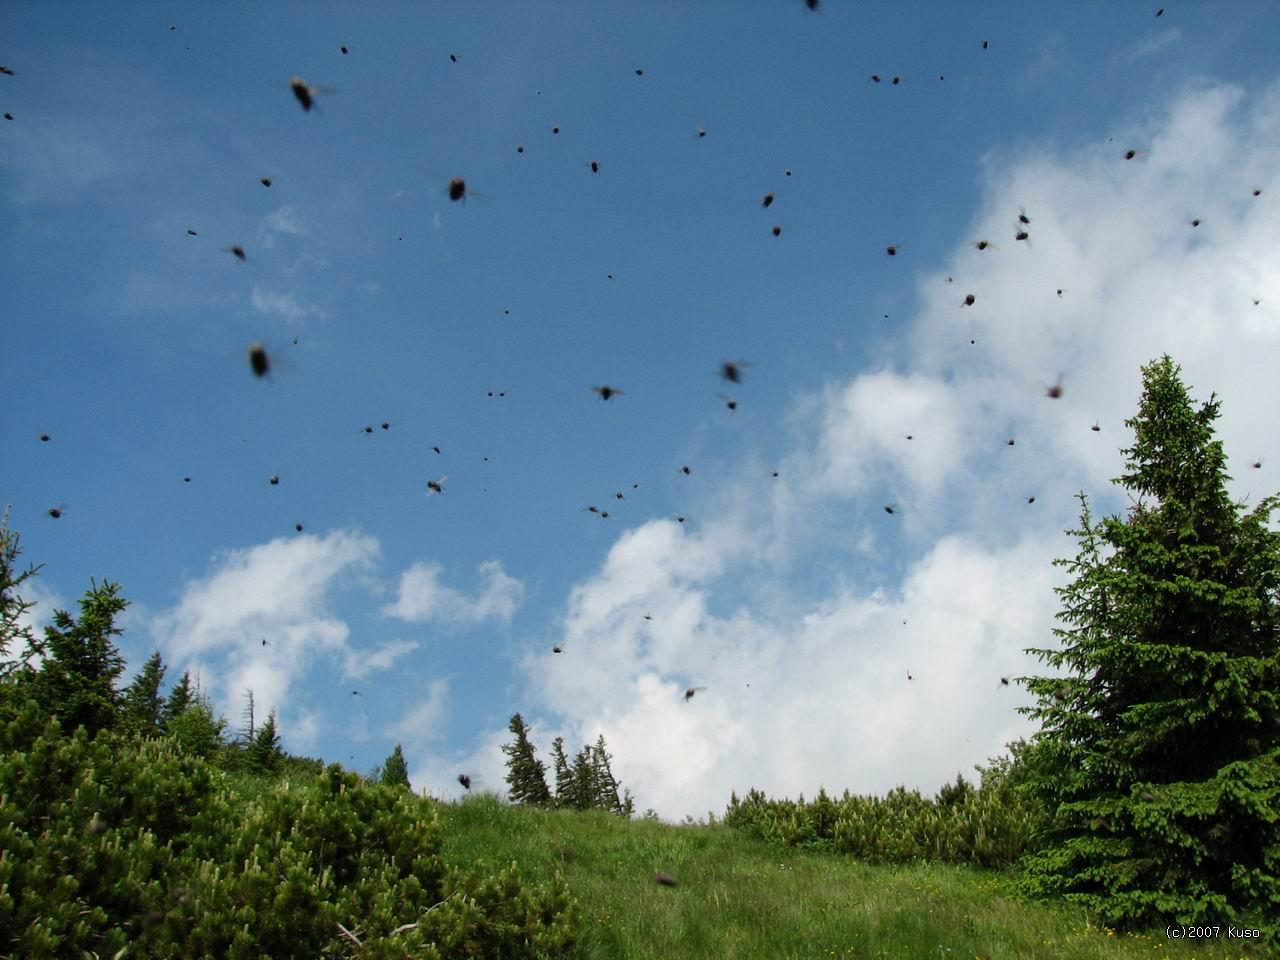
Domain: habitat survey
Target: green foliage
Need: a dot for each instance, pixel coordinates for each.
(77, 680)
(990, 826)
(1159, 753)
(180, 697)
(112, 843)
(198, 731)
(395, 772)
(264, 753)
(143, 704)
(526, 774)
(13, 607)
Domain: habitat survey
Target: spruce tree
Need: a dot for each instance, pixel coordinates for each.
(583, 792)
(395, 772)
(142, 701)
(564, 776)
(526, 774)
(180, 697)
(606, 795)
(264, 753)
(77, 681)
(13, 608)
(1159, 751)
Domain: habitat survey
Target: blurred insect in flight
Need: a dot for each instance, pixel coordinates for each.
(890, 508)
(688, 694)
(607, 391)
(767, 200)
(259, 362)
(777, 230)
(892, 249)
(265, 181)
(465, 781)
(1054, 391)
(969, 300)
(1095, 428)
(731, 370)
(729, 402)
(458, 189)
(238, 251)
(304, 93)
(56, 512)
(274, 480)
(436, 486)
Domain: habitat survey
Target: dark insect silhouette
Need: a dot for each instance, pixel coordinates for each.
(496, 393)
(619, 495)
(1021, 235)
(982, 244)
(343, 49)
(896, 80)
(57, 511)
(1196, 222)
(985, 43)
(192, 233)
(7, 72)
(909, 676)
(1054, 391)
(465, 781)
(648, 616)
(910, 436)
(729, 402)
(891, 508)
(305, 94)
(1095, 428)
(1257, 464)
(969, 300)
(264, 641)
(595, 167)
(731, 370)
(1160, 12)
(1130, 154)
(686, 471)
(1011, 441)
(458, 189)
(1257, 193)
(259, 362)
(274, 480)
(366, 429)
(688, 694)
(607, 391)
(436, 449)
(1023, 218)
(555, 129)
(436, 486)
(519, 148)
(787, 172)
(8, 116)
(666, 879)
(1059, 291)
(186, 479)
(238, 251)
(298, 526)
(679, 518)
(874, 78)
(590, 509)
(702, 132)
(891, 249)
(1031, 499)
(639, 72)
(767, 200)
(453, 58)
(1004, 681)
(557, 649)
(775, 473)
(265, 181)
(45, 438)
(777, 230)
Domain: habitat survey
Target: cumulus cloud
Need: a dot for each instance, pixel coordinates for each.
(284, 305)
(422, 597)
(281, 222)
(815, 691)
(277, 591)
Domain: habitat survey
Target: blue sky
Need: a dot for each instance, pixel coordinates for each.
(125, 339)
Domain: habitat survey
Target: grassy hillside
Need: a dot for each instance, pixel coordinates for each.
(740, 898)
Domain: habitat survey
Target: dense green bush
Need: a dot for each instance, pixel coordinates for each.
(112, 842)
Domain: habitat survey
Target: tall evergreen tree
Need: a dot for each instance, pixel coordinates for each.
(526, 774)
(564, 776)
(142, 701)
(395, 772)
(606, 787)
(12, 607)
(264, 753)
(77, 680)
(1159, 752)
(584, 790)
(180, 697)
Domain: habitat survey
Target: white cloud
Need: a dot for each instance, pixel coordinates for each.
(277, 591)
(360, 663)
(422, 597)
(814, 691)
(284, 305)
(281, 222)
(425, 721)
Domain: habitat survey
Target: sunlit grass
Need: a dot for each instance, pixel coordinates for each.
(741, 898)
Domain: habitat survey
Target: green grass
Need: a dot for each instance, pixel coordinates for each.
(740, 898)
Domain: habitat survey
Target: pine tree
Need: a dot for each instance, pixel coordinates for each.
(142, 701)
(77, 681)
(264, 753)
(12, 607)
(564, 776)
(526, 774)
(180, 697)
(583, 792)
(1159, 752)
(395, 772)
(606, 795)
